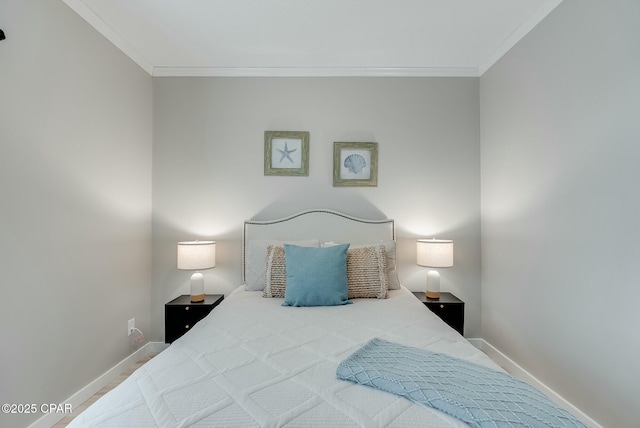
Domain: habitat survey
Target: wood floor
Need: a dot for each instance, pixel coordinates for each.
(64, 422)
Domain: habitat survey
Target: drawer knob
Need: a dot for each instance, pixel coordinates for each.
(441, 306)
(186, 308)
(186, 326)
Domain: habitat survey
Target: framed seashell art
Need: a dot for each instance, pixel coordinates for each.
(286, 153)
(355, 164)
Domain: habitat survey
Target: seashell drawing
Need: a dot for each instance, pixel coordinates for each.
(355, 163)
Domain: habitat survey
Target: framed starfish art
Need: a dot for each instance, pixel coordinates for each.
(286, 153)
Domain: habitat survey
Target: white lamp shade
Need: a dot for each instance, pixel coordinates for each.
(196, 255)
(434, 253)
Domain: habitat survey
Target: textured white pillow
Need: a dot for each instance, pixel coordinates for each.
(256, 260)
(392, 268)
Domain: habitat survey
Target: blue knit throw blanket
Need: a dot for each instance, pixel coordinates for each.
(477, 395)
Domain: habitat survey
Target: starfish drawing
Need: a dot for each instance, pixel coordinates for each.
(286, 153)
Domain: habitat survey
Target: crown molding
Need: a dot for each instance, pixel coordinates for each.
(545, 9)
(103, 28)
(315, 72)
(82, 9)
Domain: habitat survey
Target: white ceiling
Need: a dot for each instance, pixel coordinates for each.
(314, 37)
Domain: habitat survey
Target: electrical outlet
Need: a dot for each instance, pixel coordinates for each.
(130, 326)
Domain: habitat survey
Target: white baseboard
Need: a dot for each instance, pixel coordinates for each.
(156, 347)
(520, 373)
(150, 348)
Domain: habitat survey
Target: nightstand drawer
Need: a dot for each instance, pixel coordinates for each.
(451, 314)
(183, 318)
(449, 308)
(180, 315)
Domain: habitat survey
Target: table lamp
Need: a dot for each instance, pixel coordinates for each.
(197, 255)
(435, 253)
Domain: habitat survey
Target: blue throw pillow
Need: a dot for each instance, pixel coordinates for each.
(316, 276)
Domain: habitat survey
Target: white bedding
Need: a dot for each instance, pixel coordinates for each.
(252, 362)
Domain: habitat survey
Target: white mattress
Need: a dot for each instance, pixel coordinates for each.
(252, 362)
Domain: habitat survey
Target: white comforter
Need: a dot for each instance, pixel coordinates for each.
(252, 362)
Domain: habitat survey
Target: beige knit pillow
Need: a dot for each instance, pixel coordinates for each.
(366, 272)
(276, 272)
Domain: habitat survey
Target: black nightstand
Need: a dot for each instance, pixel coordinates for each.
(181, 314)
(449, 308)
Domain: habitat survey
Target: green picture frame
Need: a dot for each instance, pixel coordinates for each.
(286, 153)
(355, 164)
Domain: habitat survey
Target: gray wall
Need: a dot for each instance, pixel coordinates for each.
(560, 206)
(208, 169)
(75, 215)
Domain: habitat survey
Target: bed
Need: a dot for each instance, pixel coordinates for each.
(254, 362)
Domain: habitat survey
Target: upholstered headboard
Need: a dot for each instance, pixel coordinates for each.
(321, 224)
